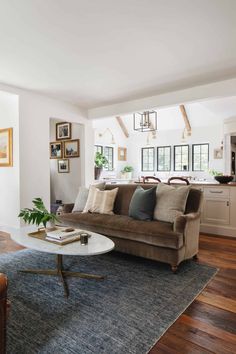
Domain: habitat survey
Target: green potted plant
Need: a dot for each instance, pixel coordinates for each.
(38, 214)
(100, 161)
(127, 172)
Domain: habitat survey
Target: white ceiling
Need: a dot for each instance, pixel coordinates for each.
(200, 114)
(101, 52)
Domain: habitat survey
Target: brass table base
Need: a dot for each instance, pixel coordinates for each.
(59, 271)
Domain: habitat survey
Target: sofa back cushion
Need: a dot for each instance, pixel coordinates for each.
(126, 192)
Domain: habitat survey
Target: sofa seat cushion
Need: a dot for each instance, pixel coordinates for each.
(157, 233)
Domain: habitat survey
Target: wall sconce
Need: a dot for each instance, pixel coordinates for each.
(110, 132)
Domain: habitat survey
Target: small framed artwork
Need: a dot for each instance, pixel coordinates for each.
(63, 131)
(218, 154)
(56, 150)
(63, 166)
(6, 147)
(72, 148)
(122, 154)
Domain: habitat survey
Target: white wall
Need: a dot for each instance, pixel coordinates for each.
(212, 135)
(64, 186)
(10, 176)
(100, 126)
(35, 112)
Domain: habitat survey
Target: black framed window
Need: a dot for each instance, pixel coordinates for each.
(163, 158)
(200, 157)
(147, 159)
(98, 148)
(108, 152)
(181, 158)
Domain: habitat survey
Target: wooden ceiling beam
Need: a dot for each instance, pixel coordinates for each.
(122, 126)
(185, 118)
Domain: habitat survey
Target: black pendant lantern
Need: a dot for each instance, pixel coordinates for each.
(146, 121)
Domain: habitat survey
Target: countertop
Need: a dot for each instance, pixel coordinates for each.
(193, 183)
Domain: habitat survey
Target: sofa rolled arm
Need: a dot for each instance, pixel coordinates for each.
(181, 221)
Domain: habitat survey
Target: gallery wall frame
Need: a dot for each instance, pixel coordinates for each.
(63, 131)
(6, 147)
(72, 148)
(56, 150)
(63, 165)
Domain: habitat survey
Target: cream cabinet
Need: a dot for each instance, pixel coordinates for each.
(218, 211)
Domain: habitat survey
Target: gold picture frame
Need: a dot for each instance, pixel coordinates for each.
(6, 147)
(122, 154)
(72, 148)
(63, 165)
(56, 149)
(63, 130)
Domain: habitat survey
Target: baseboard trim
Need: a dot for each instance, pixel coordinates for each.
(218, 230)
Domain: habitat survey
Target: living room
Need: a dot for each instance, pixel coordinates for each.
(150, 88)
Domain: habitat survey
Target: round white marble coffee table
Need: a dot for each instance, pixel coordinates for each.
(97, 244)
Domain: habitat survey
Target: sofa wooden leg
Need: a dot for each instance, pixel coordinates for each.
(195, 257)
(174, 268)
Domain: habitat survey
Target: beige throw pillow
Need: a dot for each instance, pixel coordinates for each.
(171, 202)
(103, 201)
(92, 188)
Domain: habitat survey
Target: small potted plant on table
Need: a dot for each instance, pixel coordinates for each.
(127, 172)
(38, 215)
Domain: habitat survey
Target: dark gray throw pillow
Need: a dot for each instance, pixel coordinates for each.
(143, 203)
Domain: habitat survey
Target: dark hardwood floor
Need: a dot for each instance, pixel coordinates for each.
(209, 323)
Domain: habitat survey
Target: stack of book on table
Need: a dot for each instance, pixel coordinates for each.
(63, 235)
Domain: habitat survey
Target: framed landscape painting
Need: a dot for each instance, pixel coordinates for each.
(63, 166)
(56, 150)
(6, 147)
(71, 148)
(63, 131)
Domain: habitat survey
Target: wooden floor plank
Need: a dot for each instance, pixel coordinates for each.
(202, 338)
(177, 345)
(213, 316)
(208, 328)
(222, 302)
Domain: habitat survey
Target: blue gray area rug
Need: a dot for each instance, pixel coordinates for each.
(126, 313)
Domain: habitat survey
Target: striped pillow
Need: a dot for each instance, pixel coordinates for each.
(103, 201)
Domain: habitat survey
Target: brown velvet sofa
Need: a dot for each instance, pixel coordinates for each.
(156, 240)
(3, 312)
